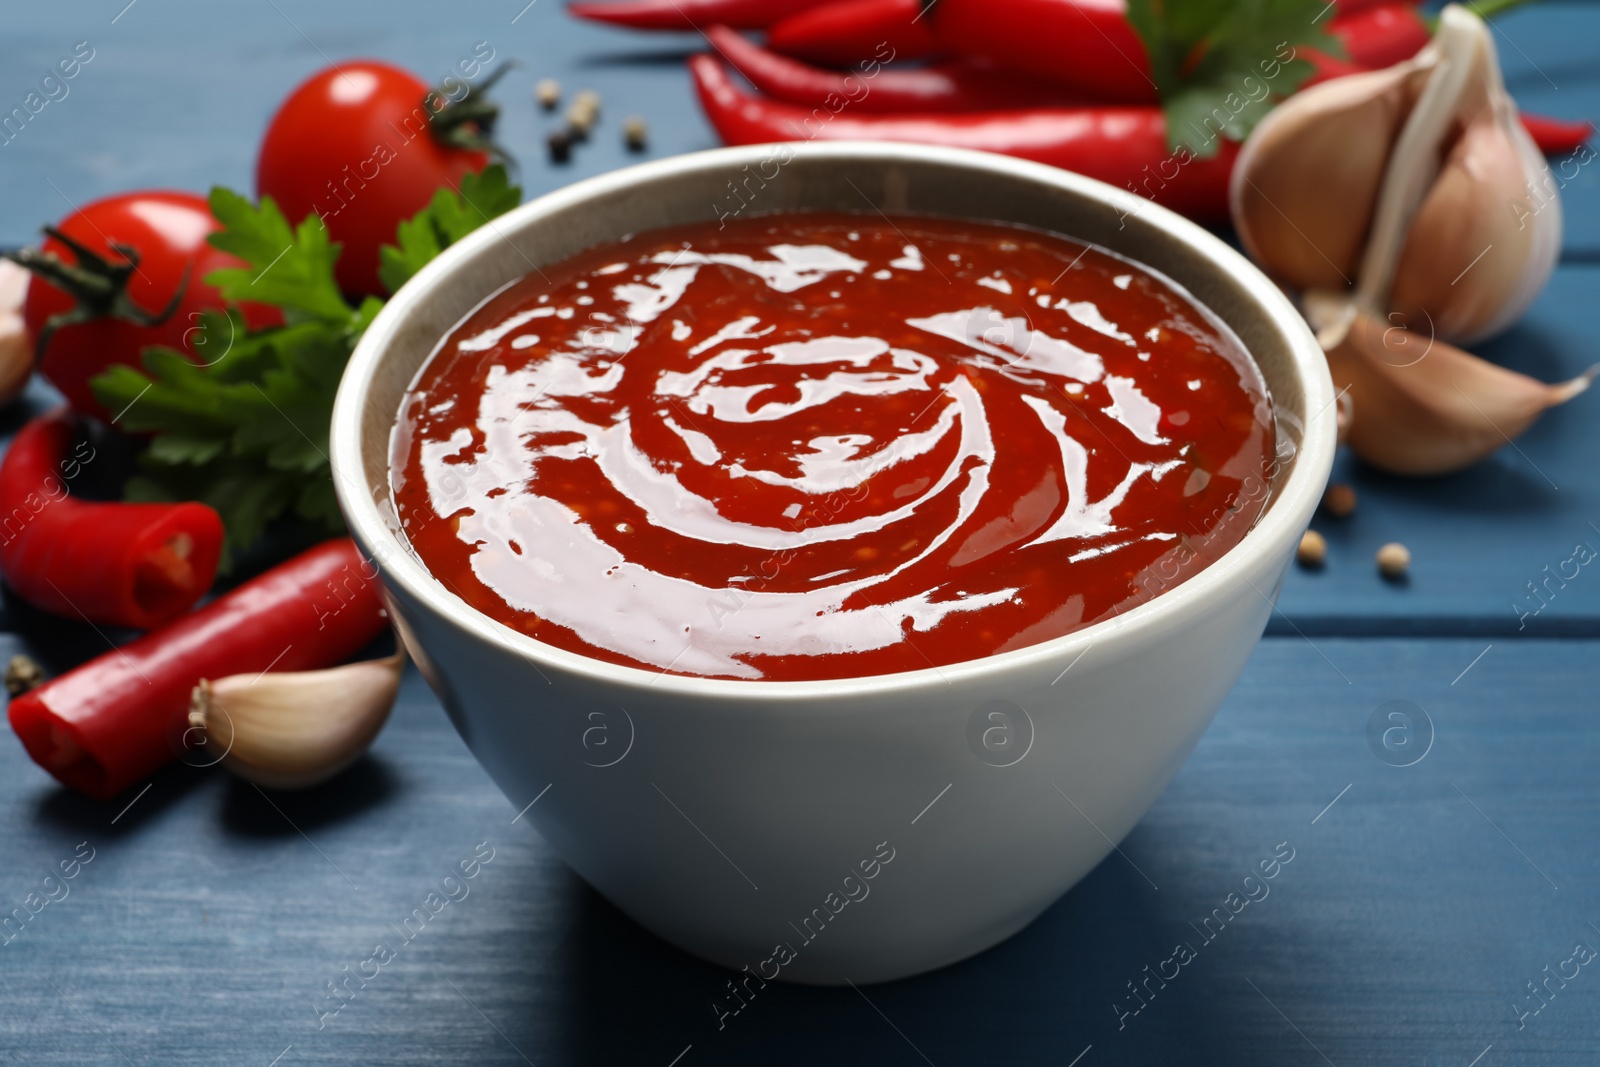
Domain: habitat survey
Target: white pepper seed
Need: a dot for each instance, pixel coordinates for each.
(1313, 550)
(581, 119)
(1394, 559)
(584, 112)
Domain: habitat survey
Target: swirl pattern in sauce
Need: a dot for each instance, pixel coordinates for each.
(821, 446)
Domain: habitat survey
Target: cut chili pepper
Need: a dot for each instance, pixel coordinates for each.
(1557, 137)
(690, 14)
(114, 720)
(1381, 35)
(1123, 145)
(134, 565)
(848, 32)
(960, 85)
(1087, 44)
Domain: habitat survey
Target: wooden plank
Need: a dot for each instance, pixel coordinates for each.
(1418, 903)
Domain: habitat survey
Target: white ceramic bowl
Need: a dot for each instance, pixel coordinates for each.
(741, 820)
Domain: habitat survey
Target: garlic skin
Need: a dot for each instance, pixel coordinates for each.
(1426, 407)
(298, 728)
(16, 347)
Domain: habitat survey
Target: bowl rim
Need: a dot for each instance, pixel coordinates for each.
(1291, 506)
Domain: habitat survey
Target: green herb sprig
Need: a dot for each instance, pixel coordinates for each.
(246, 429)
(1219, 65)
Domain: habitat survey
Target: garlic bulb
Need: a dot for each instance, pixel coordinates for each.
(1394, 187)
(1410, 206)
(16, 347)
(1430, 408)
(297, 728)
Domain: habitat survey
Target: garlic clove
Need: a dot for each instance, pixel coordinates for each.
(16, 347)
(297, 728)
(1483, 243)
(1306, 183)
(1424, 407)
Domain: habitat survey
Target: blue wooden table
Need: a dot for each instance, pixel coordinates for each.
(1444, 896)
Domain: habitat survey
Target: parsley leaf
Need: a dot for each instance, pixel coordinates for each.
(449, 217)
(246, 431)
(1219, 65)
(290, 268)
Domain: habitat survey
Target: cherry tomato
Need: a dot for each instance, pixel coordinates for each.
(357, 144)
(167, 232)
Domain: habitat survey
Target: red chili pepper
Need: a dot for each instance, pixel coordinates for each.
(114, 720)
(1123, 145)
(1557, 137)
(1090, 45)
(960, 85)
(1087, 44)
(856, 31)
(690, 14)
(1381, 36)
(135, 565)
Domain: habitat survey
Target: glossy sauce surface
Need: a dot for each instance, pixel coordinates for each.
(821, 446)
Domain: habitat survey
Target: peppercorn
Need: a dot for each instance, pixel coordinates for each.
(560, 146)
(1313, 550)
(1339, 501)
(1394, 559)
(584, 113)
(634, 134)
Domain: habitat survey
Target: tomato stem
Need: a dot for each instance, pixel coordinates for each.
(468, 123)
(98, 286)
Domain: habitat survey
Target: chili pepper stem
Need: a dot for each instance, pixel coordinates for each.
(1488, 9)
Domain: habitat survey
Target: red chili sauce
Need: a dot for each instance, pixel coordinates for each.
(827, 445)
